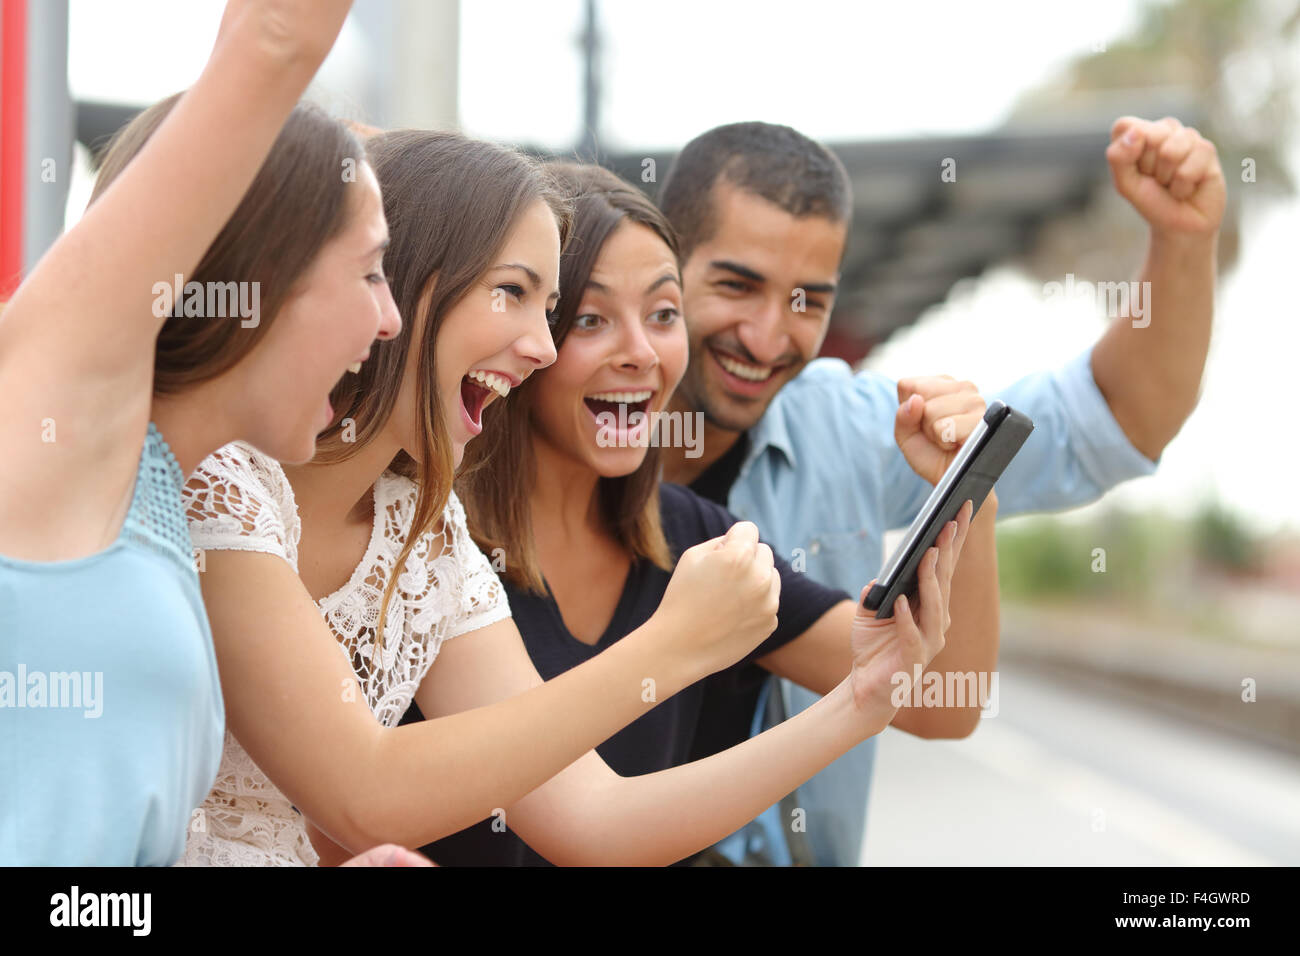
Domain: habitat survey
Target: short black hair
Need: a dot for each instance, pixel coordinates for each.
(775, 162)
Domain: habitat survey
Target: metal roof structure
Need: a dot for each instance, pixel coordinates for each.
(916, 231)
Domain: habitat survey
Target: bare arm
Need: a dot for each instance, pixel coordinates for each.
(292, 702)
(90, 295)
(77, 339)
(588, 815)
(1149, 366)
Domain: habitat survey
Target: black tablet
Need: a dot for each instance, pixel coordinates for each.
(981, 461)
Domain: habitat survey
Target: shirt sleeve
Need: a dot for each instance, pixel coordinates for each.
(1076, 452)
(239, 500)
(482, 596)
(803, 601)
(865, 420)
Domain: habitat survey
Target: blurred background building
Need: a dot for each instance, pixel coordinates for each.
(1123, 735)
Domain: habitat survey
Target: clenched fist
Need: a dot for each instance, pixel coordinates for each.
(936, 414)
(1170, 173)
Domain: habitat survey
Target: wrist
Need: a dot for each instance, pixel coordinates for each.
(1181, 244)
(662, 647)
(273, 49)
(864, 715)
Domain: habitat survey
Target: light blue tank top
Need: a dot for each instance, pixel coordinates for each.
(111, 718)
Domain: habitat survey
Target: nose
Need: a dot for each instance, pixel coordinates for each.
(537, 345)
(765, 335)
(636, 351)
(390, 320)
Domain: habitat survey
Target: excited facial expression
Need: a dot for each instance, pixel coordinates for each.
(758, 298)
(624, 355)
(496, 335)
(342, 303)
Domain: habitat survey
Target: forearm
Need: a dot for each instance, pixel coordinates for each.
(662, 817)
(1149, 368)
(167, 206)
(423, 781)
(972, 646)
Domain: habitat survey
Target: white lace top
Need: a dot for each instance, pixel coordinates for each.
(241, 500)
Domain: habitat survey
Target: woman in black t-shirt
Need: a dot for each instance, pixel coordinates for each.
(562, 491)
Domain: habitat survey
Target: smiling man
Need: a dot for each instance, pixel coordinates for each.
(806, 449)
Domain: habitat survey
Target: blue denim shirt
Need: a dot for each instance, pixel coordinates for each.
(824, 480)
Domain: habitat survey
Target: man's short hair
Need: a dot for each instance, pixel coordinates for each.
(778, 163)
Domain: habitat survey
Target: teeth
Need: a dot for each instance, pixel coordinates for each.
(748, 372)
(621, 397)
(354, 368)
(498, 383)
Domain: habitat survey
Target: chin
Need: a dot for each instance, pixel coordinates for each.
(294, 453)
(618, 464)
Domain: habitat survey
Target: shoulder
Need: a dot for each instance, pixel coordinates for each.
(831, 378)
(445, 575)
(240, 498)
(689, 518)
(828, 405)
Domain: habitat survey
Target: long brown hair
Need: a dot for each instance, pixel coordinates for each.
(499, 511)
(450, 202)
(296, 203)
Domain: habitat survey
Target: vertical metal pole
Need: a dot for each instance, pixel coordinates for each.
(589, 145)
(13, 79)
(51, 129)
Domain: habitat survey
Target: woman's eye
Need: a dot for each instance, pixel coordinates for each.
(665, 316)
(588, 321)
(375, 278)
(514, 290)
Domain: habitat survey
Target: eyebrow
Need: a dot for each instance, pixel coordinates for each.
(533, 277)
(823, 288)
(666, 277)
(379, 248)
(743, 271)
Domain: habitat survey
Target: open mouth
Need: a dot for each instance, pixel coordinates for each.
(744, 370)
(744, 378)
(477, 389)
(619, 404)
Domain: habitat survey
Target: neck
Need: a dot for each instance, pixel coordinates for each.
(714, 443)
(193, 423)
(340, 492)
(563, 499)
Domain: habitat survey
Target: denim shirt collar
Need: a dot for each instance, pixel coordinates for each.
(772, 431)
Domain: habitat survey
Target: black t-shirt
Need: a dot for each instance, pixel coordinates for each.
(664, 736)
(730, 696)
(715, 481)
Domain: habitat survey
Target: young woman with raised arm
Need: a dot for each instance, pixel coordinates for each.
(111, 399)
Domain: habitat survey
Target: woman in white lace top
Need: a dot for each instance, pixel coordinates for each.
(239, 499)
(303, 562)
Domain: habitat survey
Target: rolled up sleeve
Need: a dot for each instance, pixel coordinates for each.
(1077, 451)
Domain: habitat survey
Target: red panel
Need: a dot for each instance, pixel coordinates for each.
(13, 82)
